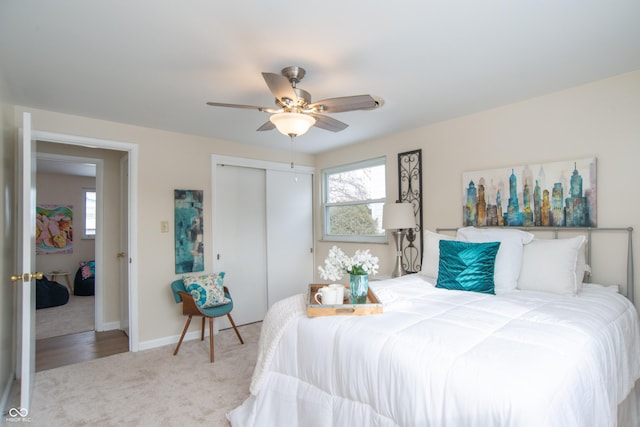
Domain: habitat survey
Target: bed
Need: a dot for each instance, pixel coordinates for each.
(551, 351)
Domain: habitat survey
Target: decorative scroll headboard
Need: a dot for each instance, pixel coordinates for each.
(588, 231)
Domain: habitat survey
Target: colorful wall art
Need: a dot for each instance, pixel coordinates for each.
(54, 229)
(189, 232)
(560, 194)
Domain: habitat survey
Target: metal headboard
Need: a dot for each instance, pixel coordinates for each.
(588, 231)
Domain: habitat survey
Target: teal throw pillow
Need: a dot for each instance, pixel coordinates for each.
(206, 290)
(467, 266)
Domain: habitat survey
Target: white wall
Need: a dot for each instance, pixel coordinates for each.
(601, 120)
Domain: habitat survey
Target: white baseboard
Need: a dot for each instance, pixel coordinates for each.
(175, 338)
(159, 342)
(108, 326)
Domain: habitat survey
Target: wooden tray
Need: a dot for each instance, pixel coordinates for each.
(372, 306)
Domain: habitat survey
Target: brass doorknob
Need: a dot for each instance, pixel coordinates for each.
(27, 277)
(121, 254)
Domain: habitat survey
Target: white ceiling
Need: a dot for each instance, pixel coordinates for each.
(64, 167)
(156, 64)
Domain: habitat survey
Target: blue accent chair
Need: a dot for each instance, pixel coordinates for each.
(190, 308)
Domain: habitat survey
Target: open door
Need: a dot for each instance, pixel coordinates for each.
(25, 265)
(123, 254)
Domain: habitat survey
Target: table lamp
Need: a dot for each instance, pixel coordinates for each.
(398, 217)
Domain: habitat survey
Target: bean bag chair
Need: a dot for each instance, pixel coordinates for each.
(84, 281)
(50, 294)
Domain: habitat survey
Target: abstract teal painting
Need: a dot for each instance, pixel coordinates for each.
(189, 233)
(559, 194)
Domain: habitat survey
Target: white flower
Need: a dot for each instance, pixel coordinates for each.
(337, 263)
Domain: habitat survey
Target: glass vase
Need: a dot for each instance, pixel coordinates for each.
(359, 285)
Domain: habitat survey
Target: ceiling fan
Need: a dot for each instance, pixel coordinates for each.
(295, 113)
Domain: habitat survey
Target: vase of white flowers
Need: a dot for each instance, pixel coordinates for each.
(360, 266)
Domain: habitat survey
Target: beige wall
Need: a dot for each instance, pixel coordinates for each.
(167, 161)
(7, 266)
(600, 119)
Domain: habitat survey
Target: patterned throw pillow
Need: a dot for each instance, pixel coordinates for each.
(88, 269)
(206, 290)
(467, 266)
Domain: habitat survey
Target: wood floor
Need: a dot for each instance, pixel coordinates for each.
(74, 348)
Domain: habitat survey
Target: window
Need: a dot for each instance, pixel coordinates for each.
(89, 228)
(352, 200)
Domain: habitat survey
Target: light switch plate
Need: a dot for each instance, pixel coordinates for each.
(164, 226)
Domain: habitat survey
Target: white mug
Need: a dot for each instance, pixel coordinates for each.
(327, 295)
(339, 292)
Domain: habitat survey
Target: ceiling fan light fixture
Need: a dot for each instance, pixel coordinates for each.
(292, 123)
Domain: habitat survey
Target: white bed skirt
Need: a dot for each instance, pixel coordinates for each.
(629, 410)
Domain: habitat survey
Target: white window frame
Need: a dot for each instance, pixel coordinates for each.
(382, 238)
(84, 213)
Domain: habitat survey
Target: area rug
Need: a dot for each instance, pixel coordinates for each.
(151, 387)
(78, 315)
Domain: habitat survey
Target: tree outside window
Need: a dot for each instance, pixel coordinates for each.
(353, 197)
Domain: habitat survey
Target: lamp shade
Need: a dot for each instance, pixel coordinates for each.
(396, 216)
(292, 123)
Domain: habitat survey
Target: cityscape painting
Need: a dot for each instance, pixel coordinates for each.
(560, 194)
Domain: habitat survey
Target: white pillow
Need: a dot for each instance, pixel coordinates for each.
(581, 265)
(551, 266)
(509, 258)
(431, 253)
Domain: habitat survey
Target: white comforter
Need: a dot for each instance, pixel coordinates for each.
(449, 358)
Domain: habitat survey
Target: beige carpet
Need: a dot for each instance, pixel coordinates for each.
(75, 316)
(152, 387)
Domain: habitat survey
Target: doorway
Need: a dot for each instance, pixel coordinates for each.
(109, 266)
(63, 185)
(66, 329)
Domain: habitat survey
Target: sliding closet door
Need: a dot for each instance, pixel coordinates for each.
(240, 240)
(289, 234)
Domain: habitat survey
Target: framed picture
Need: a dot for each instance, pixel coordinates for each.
(560, 194)
(54, 229)
(189, 231)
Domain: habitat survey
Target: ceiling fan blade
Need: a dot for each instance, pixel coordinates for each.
(329, 123)
(266, 126)
(247, 107)
(345, 103)
(280, 86)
